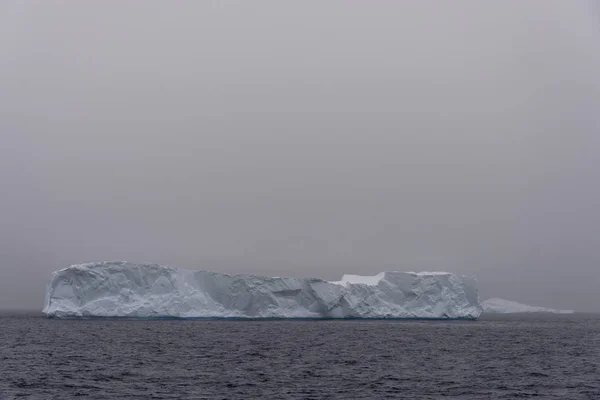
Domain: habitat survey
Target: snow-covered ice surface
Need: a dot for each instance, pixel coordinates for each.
(501, 306)
(122, 289)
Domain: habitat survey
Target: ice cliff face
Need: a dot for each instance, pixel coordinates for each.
(121, 289)
(501, 306)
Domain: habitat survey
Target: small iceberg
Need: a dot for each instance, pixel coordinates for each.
(501, 306)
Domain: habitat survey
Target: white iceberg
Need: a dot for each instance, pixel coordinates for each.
(121, 289)
(501, 306)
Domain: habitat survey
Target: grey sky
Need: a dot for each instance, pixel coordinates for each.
(306, 138)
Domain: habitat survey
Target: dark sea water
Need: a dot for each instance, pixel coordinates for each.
(548, 357)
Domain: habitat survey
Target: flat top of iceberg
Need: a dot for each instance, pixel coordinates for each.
(373, 280)
(360, 279)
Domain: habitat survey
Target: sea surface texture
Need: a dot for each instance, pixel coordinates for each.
(500, 357)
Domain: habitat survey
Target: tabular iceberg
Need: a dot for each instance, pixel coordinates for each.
(121, 289)
(501, 306)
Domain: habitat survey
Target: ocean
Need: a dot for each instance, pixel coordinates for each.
(496, 357)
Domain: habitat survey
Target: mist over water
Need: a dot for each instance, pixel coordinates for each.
(308, 139)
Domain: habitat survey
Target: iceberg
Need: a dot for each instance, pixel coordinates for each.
(122, 289)
(501, 306)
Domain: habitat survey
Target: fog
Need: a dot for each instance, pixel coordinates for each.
(304, 138)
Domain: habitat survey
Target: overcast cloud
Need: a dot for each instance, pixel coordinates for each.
(307, 138)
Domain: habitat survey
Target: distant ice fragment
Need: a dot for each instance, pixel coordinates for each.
(122, 289)
(501, 306)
